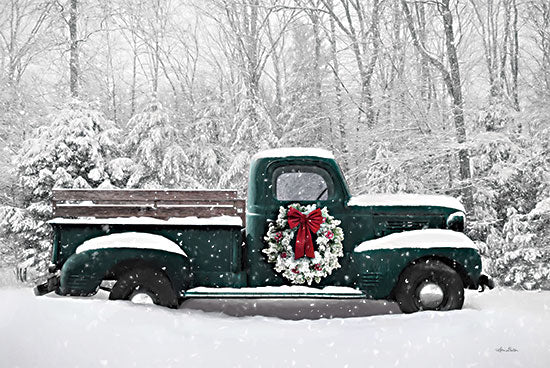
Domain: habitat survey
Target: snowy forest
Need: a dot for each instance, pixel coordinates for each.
(438, 97)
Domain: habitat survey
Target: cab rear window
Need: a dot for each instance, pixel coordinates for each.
(301, 183)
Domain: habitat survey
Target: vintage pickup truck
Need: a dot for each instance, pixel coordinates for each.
(301, 226)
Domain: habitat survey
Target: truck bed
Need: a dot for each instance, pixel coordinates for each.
(207, 225)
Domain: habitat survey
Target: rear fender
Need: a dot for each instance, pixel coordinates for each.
(83, 272)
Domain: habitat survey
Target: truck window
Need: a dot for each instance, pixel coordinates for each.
(301, 183)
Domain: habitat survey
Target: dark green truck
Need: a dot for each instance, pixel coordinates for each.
(174, 244)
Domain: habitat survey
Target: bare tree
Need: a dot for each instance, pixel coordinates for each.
(23, 25)
(539, 18)
(453, 82)
(23, 38)
(365, 43)
(245, 26)
(497, 23)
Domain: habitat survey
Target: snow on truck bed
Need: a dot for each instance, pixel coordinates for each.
(131, 240)
(184, 221)
(407, 200)
(499, 328)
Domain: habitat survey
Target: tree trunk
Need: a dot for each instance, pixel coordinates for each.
(375, 44)
(337, 89)
(514, 56)
(395, 105)
(134, 80)
(276, 60)
(253, 91)
(73, 58)
(458, 105)
(426, 82)
(320, 118)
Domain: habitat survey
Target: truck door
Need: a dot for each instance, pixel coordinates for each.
(304, 181)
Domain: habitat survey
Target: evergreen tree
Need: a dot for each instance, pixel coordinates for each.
(72, 151)
(157, 148)
(208, 150)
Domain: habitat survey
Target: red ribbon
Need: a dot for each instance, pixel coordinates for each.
(308, 224)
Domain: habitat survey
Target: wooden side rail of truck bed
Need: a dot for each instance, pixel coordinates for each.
(146, 202)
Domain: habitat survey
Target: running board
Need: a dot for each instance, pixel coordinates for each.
(224, 293)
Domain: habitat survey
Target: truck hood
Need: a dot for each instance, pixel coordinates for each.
(406, 200)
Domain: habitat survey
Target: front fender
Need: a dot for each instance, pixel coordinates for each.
(83, 272)
(378, 270)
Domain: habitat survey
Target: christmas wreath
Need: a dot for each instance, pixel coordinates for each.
(301, 261)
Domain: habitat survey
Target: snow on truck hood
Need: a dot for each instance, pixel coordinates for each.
(426, 238)
(131, 240)
(408, 200)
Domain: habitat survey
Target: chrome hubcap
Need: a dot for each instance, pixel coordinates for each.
(430, 295)
(141, 298)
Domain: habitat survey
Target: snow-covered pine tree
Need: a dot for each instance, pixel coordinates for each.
(524, 259)
(251, 132)
(158, 150)
(71, 151)
(512, 175)
(208, 150)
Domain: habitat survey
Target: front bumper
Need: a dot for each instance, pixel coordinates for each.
(485, 281)
(47, 287)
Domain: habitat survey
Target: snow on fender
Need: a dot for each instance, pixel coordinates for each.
(132, 240)
(426, 238)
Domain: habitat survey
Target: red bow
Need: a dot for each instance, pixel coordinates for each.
(308, 224)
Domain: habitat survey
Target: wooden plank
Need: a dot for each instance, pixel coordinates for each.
(240, 206)
(141, 195)
(218, 202)
(149, 211)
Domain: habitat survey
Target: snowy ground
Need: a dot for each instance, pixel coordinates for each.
(7, 276)
(500, 328)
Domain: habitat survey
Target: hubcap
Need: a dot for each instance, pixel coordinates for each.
(430, 295)
(141, 298)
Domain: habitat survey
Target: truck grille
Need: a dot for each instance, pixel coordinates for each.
(398, 225)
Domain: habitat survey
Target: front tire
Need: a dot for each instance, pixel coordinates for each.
(429, 285)
(148, 281)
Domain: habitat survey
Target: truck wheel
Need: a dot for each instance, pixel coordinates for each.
(140, 283)
(429, 285)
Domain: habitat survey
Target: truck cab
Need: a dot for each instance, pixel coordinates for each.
(407, 248)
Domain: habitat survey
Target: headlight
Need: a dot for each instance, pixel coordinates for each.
(456, 221)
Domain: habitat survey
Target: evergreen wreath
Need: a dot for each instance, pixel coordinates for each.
(327, 246)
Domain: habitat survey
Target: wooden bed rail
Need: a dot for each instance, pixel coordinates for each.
(146, 202)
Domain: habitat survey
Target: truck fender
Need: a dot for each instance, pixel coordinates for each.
(81, 275)
(378, 270)
(83, 272)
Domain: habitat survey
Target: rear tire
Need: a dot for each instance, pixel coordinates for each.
(429, 285)
(151, 282)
